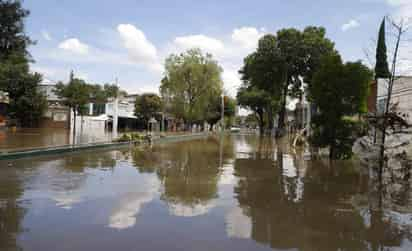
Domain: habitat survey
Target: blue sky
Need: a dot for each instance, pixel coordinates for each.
(101, 39)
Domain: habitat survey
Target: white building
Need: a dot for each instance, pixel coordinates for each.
(114, 114)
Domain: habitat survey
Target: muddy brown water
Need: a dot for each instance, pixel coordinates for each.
(239, 193)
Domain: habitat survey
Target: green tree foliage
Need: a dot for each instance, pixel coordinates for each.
(301, 53)
(381, 67)
(76, 94)
(100, 94)
(214, 109)
(256, 100)
(191, 81)
(282, 61)
(339, 91)
(13, 39)
(263, 80)
(147, 106)
(26, 102)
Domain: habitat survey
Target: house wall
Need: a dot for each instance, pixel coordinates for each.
(56, 117)
(401, 95)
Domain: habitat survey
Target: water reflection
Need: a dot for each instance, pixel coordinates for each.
(125, 213)
(11, 210)
(309, 207)
(189, 173)
(236, 193)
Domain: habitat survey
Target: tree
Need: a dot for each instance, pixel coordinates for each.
(214, 109)
(301, 53)
(191, 80)
(75, 95)
(282, 61)
(147, 106)
(381, 67)
(263, 76)
(387, 113)
(339, 91)
(256, 100)
(100, 95)
(13, 39)
(26, 102)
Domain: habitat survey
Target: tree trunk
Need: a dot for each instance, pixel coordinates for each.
(270, 120)
(261, 123)
(211, 127)
(331, 152)
(282, 113)
(387, 105)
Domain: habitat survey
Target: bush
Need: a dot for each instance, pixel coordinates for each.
(124, 138)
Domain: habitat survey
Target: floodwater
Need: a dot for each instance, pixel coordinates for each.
(239, 193)
(27, 138)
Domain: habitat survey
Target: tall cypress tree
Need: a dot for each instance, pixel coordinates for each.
(381, 68)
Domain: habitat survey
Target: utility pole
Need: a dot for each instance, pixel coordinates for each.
(223, 113)
(115, 111)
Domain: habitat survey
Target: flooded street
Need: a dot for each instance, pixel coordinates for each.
(239, 193)
(27, 138)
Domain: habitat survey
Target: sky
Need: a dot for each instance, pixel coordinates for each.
(128, 40)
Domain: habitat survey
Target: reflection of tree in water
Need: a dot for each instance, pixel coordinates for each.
(11, 212)
(188, 170)
(322, 219)
(193, 172)
(78, 162)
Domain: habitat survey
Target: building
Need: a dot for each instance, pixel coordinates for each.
(401, 95)
(57, 114)
(117, 113)
(4, 102)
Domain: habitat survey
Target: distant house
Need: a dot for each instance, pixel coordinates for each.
(102, 116)
(4, 102)
(57, 115)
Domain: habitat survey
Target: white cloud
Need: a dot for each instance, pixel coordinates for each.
(183, 210)
(139, 48)
(238, 225)
(75, 46)
(46, 35)
(247, 37)
(232, 80)
(207, 44)
(350, 25)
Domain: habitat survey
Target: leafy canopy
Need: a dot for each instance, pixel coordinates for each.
(339, 91)
(191, 81)
(148, 105)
